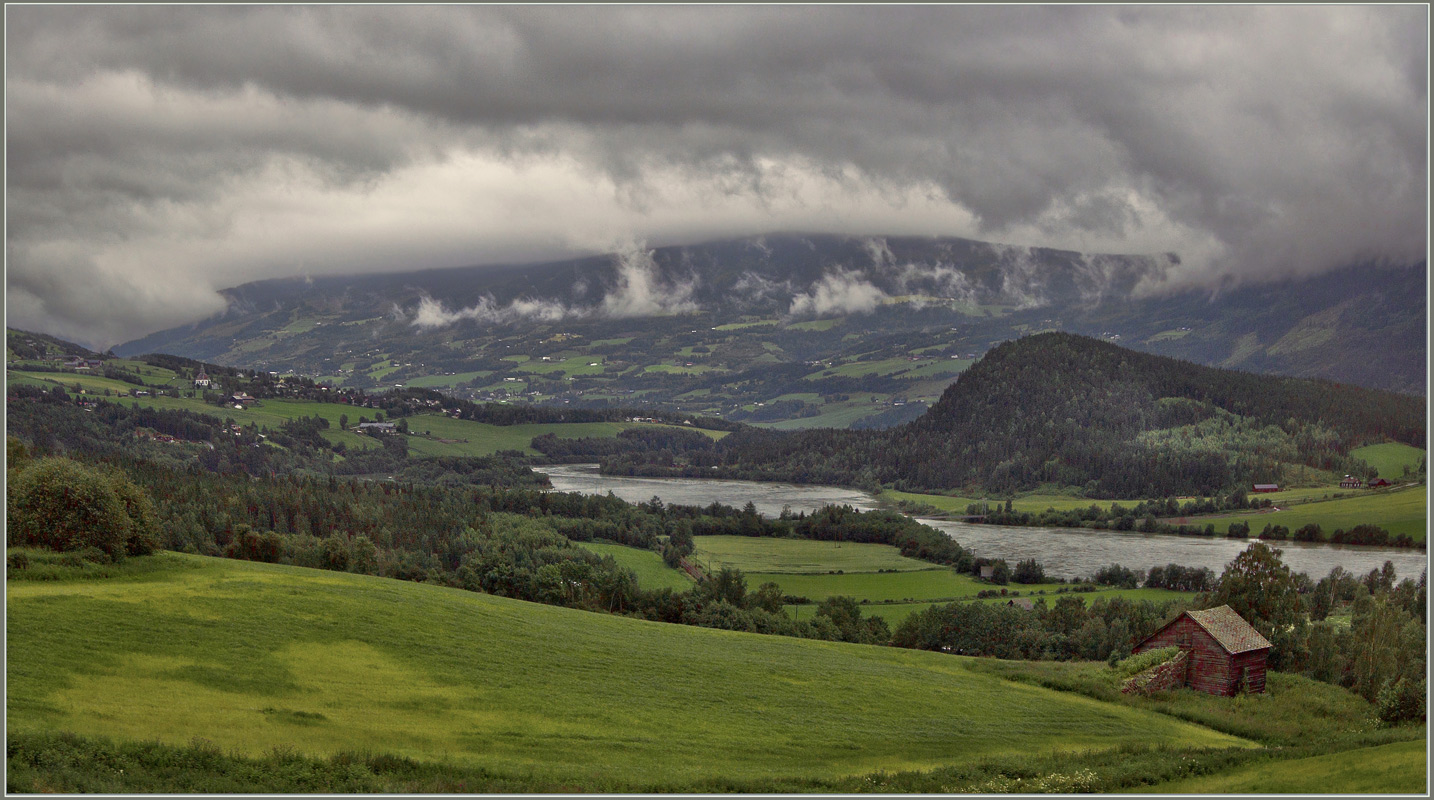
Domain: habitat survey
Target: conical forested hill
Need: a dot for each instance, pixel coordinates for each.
(1056, 408)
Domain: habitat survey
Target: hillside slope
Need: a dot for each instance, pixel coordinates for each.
(252, 656)
(1074, 411)
(803, 331)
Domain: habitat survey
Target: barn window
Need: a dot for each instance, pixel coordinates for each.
(1182, 640)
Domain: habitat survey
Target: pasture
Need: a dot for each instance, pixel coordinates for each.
(651, 571)
(1391, 459)
(1398, 511)
(834, 415)
(256, 657)
(470, 438)
(771, 555)
(1400, 767)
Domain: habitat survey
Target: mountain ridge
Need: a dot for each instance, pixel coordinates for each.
(706, 325)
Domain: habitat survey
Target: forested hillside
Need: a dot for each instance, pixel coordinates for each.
(1073, 411)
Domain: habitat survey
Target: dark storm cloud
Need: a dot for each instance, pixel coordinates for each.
(158, 152)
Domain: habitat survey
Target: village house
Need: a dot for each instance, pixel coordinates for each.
(201, 381)
(1224, 654)
(1350, 482)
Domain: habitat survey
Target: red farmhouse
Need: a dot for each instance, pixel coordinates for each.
(1224, 655)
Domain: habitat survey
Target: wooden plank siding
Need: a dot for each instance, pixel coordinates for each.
(1210, 668)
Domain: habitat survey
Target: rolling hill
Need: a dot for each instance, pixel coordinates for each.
(791, 330)
(1061, 409)
(317, 663)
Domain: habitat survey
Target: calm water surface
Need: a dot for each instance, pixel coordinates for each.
(1065, 552)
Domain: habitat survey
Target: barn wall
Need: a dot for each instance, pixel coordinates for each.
(1211, 668)
(1169, 636)
(1255, 660)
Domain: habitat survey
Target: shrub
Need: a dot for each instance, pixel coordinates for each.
(1402, 701)
(60, 504)
(1029, 571)
(1140, 662)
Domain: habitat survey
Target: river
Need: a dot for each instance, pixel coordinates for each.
(1064, 552)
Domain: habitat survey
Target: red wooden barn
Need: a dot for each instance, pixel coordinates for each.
(1224, 653)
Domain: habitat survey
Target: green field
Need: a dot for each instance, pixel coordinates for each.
(768, 555)
(675, 369)
(254, 657)
(572, 365)
(816, 325)
(430, 381)
(930, 583)
(1401, 767)
(651, 572)
(838, 415)
(1400, 511)
(737, 326)
(94, 384)
(1391, 459)
(484, 439)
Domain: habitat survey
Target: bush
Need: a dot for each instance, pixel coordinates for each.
(63, 505)
(1140, 662)
(1029, 571)
(1402, 701)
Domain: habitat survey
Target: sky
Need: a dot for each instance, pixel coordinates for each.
(157, 154)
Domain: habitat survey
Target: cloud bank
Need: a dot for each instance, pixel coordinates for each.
(156, 154)
(639, 291)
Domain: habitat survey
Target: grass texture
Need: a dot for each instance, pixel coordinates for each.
(253, 657)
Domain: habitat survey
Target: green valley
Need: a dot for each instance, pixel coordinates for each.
(323, 663)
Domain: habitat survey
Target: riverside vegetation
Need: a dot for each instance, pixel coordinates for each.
(484, 525)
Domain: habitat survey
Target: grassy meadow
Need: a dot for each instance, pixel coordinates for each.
(761, 554)
(651, 571)
(440, 435)
(1400, 767)
(255, 658)
(1391, 458)
(1398, 511)
(886, 583)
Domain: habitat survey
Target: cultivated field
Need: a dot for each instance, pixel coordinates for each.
(651, 572)
(253, 657)
(761, 554)
(1391, 458)
(1397, 511)
(1386, 769)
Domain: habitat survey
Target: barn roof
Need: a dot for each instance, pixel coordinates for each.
(1229, 629)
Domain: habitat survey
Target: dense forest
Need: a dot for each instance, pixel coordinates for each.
(1074, 411)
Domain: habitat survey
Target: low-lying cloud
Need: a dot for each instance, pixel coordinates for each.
(838, 292)
(159, 153)
(638, 291)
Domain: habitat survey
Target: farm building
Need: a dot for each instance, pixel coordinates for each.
(1261, 488)
(1224, 654)
(377, 427)
(1350, 482)
(1379, 483)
